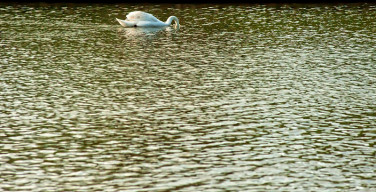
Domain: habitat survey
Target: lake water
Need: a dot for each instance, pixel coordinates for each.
(240, 98)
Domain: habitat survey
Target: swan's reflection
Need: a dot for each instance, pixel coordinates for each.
(138, 33)
(142, 31)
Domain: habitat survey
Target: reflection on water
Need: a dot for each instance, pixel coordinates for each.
(241, 98)
(138, 35)
(134, 32)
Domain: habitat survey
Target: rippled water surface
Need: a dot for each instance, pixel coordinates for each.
(240, 98)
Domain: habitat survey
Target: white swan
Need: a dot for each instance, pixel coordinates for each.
(142, 19)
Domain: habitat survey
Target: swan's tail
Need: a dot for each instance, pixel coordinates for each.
(122, 22)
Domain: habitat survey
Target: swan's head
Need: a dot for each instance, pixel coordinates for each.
(173, 18)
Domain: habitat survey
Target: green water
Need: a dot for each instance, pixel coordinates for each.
(240, 98)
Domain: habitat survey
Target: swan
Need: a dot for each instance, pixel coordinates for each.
(142, 19)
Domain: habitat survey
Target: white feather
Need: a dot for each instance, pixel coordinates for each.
(142, 19)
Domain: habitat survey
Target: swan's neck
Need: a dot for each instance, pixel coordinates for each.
(172, 18)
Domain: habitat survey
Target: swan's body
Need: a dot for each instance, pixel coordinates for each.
(142, 19)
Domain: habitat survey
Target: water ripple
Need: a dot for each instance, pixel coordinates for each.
(241, 98)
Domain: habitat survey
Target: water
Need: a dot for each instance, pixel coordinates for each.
(240, 98)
